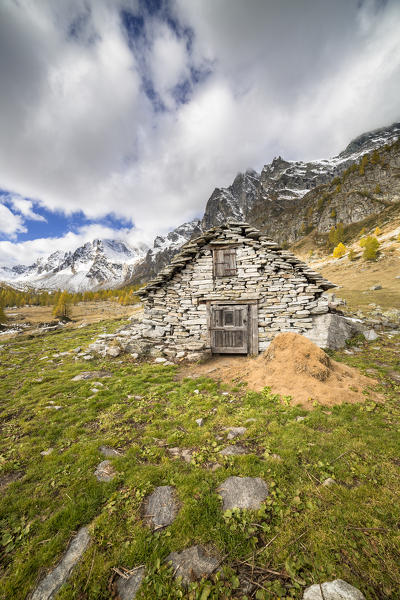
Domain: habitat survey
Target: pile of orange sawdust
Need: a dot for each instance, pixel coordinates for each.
(292, 366)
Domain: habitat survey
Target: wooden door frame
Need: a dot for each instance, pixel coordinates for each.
(252, 321)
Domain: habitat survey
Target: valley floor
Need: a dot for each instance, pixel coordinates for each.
(28, 319)
(306, 532)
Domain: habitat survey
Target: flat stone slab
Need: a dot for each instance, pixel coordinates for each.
(129, 587)
(91, 375)
(161, 507)
(243, 492)
(184, 453)
(105, 471)
(235, 450)
(47, 452)
(193, 563)
(49, 586)
(109, 452)
(333, 590)
(234, 432)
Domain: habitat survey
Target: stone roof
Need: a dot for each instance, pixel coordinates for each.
(227, 234)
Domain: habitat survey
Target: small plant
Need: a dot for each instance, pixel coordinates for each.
(340, 250)
(378, 189)
(377, 231)
(333, 213)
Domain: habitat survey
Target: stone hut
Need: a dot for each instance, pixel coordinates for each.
(230, 290)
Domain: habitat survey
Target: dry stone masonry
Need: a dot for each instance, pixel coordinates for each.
(280, 292)
(230, 290)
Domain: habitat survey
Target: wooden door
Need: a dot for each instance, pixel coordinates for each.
(229, 329)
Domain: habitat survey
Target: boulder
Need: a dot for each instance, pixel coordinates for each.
(333, 590)
(49, 586)
(105, 471)
(243, 492)
(234, 432)
(161, 507)
(370, 335)
(129, 586)
(193, 563)
(235, 450)
(331, 330)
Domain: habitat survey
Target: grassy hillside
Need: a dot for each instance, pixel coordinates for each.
(305, 532)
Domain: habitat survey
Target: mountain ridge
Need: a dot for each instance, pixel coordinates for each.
(286, 200)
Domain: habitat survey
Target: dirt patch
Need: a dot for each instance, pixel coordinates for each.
(8, 478)
(292, 366)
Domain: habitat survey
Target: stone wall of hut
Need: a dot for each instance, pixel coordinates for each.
(175, 320)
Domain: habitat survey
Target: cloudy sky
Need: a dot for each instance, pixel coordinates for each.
(119, 117)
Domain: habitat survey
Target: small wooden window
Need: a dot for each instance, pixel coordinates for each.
(225, 262)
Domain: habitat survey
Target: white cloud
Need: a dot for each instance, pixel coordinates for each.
(25, 207)
(27, 252)
(168, 63)
(10, 224)
(298, 79)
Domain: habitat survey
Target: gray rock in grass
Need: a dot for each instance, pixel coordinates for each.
(109, 452)
(129, 587)
(329, 482)
(47, 452)
(371, 335)
(192, 563)
(91, 375)
(333, 590)
(161, 507)
(49, 586)
(105, 471)
(235, 450)
(243, 492)
(234, 432)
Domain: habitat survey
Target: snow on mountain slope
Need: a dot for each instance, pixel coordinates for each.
(95, 265)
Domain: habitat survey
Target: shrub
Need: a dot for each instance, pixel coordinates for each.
(336, 235)
(352, 255)
(339, 251)
(370, 245)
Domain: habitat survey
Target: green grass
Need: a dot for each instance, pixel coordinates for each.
(305, 533)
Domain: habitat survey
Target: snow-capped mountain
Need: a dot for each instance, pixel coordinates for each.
(95, 265)
(284, 200)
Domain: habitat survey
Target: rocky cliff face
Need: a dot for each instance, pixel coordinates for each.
(364, 188)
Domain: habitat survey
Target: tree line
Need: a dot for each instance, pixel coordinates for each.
(9, 297)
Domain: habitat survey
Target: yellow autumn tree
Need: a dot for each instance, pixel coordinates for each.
(340, 250)
(62, 309)
(3, 317)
